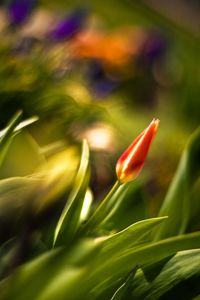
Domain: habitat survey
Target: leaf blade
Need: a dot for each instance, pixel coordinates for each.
(71, 214)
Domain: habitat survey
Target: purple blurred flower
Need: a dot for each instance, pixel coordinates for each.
(19, 10)
(70, 26)
(99, 81)
(104, 87)
(154, 47)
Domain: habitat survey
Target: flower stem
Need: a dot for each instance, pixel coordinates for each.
(103, 209)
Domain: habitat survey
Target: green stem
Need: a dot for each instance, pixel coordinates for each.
(101, 210)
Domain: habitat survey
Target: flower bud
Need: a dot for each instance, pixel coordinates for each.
(132, 160)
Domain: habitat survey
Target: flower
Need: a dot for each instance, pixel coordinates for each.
(70, 25)
(132, 160)
(153, 48)
(19, 10)
(112, 49)
(100, 82)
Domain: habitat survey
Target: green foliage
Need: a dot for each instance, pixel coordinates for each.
(129, 201)
(55, 241)
(91, 257)
(70, 219)
(182, 272)
(27, 191)
(178, 202)
(7, 134)
(16, 164)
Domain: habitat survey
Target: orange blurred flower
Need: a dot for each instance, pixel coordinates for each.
(132, 160)
(114, 49)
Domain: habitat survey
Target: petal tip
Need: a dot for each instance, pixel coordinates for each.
(156, 123)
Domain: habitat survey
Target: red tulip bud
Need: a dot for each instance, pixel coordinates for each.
(132, 160)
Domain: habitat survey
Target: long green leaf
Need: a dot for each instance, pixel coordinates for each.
(127, 206)
(16, 164)
(124, 290)
(39, 278)
(16, 201)
(112, 270)
(70, 218)
(7, 134)
(177, 204)
(53, 272)
(24, 197)
(115, 244)
(179, 279)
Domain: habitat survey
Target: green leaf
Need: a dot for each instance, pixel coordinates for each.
(7, 252)
(124, 290)
(102, 210)
(59, 172)
(21, 125)
(87, 205)
(64, 285)
(116, 244)
(56, 272)
(16, 200)
(177, 204)
(179, 279)
(7, 139)
(6, 134)
(127, 206)
(16, 164)
(70, 218)
(111, 271)
(41, 276)
(24, 197)
(194, 222)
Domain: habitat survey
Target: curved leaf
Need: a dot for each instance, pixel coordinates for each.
(115, 244)
(178, 279)
(177, 204)
(70, 218)
(6, 134)
(105, 276)
(58, 271)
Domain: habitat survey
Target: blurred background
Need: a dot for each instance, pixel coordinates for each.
(100, 71)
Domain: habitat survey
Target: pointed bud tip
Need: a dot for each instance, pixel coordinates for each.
(156, 123)
(132, 160)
